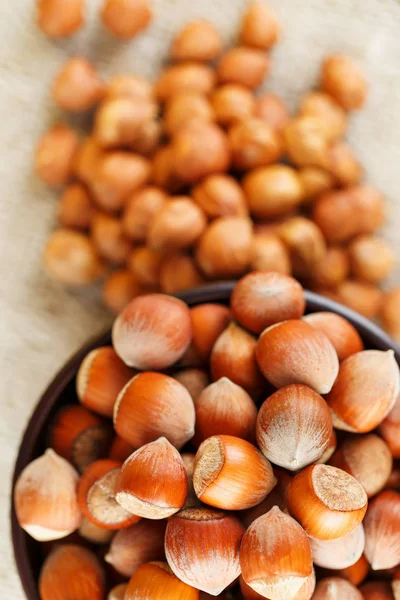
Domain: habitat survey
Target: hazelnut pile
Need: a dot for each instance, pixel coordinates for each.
(254, 453)
(198, 177)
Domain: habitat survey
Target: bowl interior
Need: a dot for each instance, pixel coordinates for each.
(62, 391)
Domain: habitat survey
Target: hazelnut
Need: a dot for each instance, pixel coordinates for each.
(55, 155)
(336, 588)
(198, 40)
(150, 393)
(158, 580)
(341, 333)
(365, 391)
(272, 110)
(319, 104)
(58, 20)
(333, 502)
(307, 141)
(162, 173)
(315, 181)
(77, 87)
(140, 209)
(261, 299)
(294, 352)
(109, 238)
(208, 321)
(254, 144)
(71, 257)
(343, 80)
(272, 191)
(75, 207)
(305, 242)
(382, 525)
(147, 137)
(244, 66)
(372, 259)
(200, 149)
(86, 160)
(224, 460)
(145, 264)
(364, 298)
(331, 269)
(342, 164)
(390, 312)
(126, 18)
(184, 107)
(259, 27)
(185, 77)
(195, 381)
(152, 332)
(72, 571)
(220, 196)
(118, 121)
(224, 249)
(178, 272)
(178, 225)
(232, 102)
(119, 288)
(343, 214)
(118, 174)
(129, 86)
(269, 253)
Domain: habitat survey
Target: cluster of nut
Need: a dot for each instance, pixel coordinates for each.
(207, 481)
(123, 18)
(197, 178)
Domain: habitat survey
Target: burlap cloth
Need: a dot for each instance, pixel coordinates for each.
(41, 323)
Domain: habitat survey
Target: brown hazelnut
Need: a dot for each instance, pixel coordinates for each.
(390, 313)
(272, 191)
(269, 253)
(162, 172)
(332, 269)
(224, 249)
(145, 265)
(117, 175)
(220, 196)
(198, 40)
(147, 138)
(57, 19)
(307, 141)
(119, 289)
(364, 298)
(200, 149)
(130, 86)
(245, 66)
(260, 27)
(55, 155)
(254, 144)
(126, 18)
(232, 102)
(305, 242)
(109, 238)
(185, 77)
(342, 164)
(118, 121)
(77, 86)
(71, 257)
(319, 104)
(343, 80)
(178, 272)
(75, 207)
(141, 207)
(178, 225)
(273, 110)
(372, 259)
(86, 159)
(315, 181)
(343, 214)
(184, 107)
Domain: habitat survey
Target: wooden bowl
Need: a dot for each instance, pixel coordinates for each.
(62, 391)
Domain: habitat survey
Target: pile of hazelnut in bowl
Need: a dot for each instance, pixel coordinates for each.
(251, 455)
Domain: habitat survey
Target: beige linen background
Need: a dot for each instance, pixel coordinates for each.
(41, 324)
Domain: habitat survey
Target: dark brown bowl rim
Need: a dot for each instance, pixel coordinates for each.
(218, 292)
